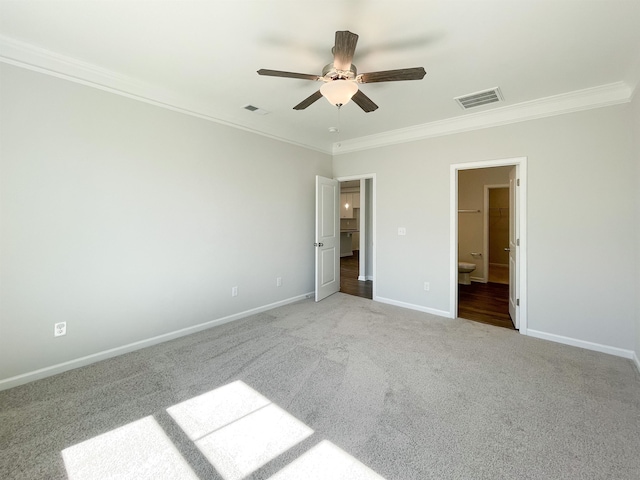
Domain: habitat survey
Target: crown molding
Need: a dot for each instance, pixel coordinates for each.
(38, 59)
(596, 97)
(31, 57)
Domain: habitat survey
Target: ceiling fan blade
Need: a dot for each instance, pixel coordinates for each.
(344, 49)
(308, 101)
(278, 73)
(364, 102)
(417, 73)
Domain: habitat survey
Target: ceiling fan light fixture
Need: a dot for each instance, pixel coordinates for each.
(338, 92)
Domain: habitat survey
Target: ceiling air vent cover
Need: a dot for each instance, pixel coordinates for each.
(480, 98)
(254, 109)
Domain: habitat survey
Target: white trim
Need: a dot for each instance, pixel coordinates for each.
(574, 342)
(478, 279)
(636, 360)
(374, 210)
(521, 165)
(411, 306)
(113, 352)
(588, 98)
(24, 55)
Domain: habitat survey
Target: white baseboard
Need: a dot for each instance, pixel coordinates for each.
(618, 352)
(411, 306)
(114, 352)
(636, 360)
(478, 279)
(364, 278)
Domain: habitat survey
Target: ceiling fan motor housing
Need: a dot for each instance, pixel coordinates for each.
(330, 72)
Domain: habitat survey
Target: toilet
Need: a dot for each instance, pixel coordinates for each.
(464, 270)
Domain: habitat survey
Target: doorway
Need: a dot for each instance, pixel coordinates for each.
(490, 301)
(356, 236)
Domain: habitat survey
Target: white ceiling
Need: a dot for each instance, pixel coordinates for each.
(202, 56)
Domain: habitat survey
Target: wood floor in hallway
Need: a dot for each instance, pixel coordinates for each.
(480, 302)
(486, 303)
(349, 283)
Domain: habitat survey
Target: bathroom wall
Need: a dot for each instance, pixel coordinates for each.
(471, 225)
(498, 226)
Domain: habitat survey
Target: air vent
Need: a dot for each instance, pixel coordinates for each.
(255, 109)
(480, 98)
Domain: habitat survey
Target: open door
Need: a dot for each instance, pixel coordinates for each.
(514, 254)
(327, 242)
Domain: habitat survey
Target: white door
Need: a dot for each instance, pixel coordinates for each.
(327, 242)
(514, 254)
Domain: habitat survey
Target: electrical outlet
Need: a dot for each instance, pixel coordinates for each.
(234, 291)
(278, 281)
(59, 329)
(426, 286)
(402, 231)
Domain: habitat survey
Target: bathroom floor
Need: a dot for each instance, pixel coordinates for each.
(485, 303)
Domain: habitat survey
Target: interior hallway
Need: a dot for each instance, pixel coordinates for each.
(349, 283)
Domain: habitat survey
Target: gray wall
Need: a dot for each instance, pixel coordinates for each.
(582, 234)
(129, 221)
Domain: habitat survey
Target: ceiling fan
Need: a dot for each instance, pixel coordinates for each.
(341, 77)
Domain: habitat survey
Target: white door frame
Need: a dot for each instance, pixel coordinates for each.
(367, 176)
(521, 171)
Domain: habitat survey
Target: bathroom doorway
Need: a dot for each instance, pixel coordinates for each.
(478, 204)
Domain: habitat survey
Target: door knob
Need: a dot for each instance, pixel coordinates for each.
(507, 249)
(318, 244)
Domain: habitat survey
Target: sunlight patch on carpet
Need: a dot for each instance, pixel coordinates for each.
(326, 461)
(139, 450)
(244, 446)
(213, 410)
(237, 429)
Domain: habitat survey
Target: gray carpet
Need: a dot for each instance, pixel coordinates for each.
(409, 395)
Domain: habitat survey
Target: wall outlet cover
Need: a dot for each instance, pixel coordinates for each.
(59, 329)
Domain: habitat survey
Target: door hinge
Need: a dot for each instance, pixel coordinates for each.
(517, 302)
(518, 182)
(517, 242)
